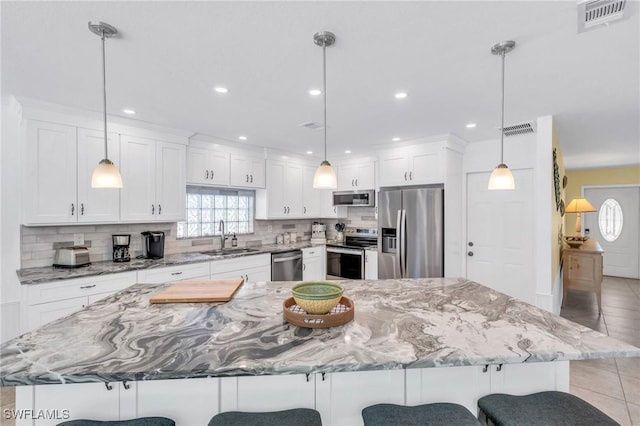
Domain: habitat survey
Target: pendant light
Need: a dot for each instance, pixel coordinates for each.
(106, 174)
(325, 177)
(501, 178)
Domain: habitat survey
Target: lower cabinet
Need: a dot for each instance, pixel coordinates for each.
(249, 268)
(313, 266)
(267, 393)
(176, 273)
(370, 265)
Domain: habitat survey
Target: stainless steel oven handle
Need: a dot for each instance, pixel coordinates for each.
(357, 252)
(286, 259)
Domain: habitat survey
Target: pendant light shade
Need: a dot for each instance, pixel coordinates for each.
(325, 177)
(501, 177)
(106, 174)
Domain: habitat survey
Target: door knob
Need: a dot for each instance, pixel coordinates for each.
(470, 254)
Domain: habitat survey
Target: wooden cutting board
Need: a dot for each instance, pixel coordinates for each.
(188, 291)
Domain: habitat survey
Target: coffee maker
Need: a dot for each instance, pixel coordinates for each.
(318, 233)
(153, 244)
(121, 247)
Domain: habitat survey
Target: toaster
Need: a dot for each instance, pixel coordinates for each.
(72, 257)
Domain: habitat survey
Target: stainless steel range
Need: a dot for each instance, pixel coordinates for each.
(346, 260)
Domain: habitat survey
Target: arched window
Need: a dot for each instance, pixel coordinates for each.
(610, 220)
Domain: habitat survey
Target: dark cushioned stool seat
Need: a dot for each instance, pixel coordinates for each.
(142, 421)
(435, 414)
(550, 408)
(294, 417)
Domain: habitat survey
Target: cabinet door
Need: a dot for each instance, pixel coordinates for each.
(526, 378)
(327, 209)
(267, 393)
(96, 204)
(198, 169)
(346, 177)
(138, 193)
(50, 173)
(312, 270)
(257, 170)
(219, 168)
(171, 190)
(340, 397)
(188, 401)
(171, 274)
(276, 189)
(370, 265)
(365, 176)
(426, 165)
(293, 190)
(247, 172)
(311, 197)
(394, 168)
(39, 315)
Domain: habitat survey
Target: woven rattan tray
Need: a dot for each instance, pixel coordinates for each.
(341, 314)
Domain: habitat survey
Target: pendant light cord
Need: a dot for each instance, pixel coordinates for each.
(104, 95)
(502, 123)
(324, 91)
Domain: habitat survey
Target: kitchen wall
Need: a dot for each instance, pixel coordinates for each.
(38, 244)
(557, 231)
(358, 217)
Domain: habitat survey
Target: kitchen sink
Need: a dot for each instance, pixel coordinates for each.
(234, 250)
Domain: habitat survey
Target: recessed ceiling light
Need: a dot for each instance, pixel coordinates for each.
(396, 139)
(347, 152)
(221, 89)
(400, 95)
(470, 125)
(242, 138)
(128, 111)
(315, 92)
(309, 152)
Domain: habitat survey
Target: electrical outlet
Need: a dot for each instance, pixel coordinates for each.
(78, 239)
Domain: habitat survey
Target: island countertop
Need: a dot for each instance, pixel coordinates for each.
(412, 323)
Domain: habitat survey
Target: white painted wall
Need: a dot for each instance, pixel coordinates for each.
(10, 220)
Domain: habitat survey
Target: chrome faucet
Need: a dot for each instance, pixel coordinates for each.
(223, 237)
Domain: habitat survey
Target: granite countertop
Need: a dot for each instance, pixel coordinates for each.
(49, 273)
(414, 323)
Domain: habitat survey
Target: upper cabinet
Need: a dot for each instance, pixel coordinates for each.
(412, 165)
(353, 177)
(247, 171)
(207, 167)
(311, 197)
(59, 162)
(154, 180)
(283, 197)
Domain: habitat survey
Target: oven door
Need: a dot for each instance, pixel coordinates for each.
(345, 263)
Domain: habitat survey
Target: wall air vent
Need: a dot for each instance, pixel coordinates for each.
(520, 129)
(596, 13)
(311, 125)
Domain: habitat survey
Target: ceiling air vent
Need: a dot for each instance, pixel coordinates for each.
(596, 13)
(312, 125)
(520, 129)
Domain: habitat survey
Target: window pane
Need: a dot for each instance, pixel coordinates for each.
(207, 201)
(193, 201)
(220, 202)
(232, 202)
(207, 229)
(610, 220)
(207, 216)
(232, 215)
(193, 215)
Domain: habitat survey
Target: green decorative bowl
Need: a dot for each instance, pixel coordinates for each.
(317, 297)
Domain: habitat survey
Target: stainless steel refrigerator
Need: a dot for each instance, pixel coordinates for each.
(411, 232)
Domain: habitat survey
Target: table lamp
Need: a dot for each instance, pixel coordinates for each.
(579, 205)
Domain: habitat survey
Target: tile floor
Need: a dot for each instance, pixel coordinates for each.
(612, 385)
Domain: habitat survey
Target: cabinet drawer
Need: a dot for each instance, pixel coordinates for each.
(79, 287)
(174, 273)
(313, 252)
(240, 263)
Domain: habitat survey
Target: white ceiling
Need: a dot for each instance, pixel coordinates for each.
(170, 55)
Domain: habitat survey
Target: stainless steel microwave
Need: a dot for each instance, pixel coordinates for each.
(355, 198)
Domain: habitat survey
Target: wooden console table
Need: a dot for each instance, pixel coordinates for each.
(583, 269)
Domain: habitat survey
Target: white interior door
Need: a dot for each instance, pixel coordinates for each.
(500, 231)
(618, 235)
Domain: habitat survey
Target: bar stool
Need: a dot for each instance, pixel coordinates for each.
(551, 408)
(436, 414)
(142, 421)
(293, 417)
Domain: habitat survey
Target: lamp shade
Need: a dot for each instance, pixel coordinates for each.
(106, 175)
(501, 178)
(579, 205)
(325, 177)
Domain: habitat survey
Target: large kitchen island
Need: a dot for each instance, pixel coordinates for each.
(411, 342)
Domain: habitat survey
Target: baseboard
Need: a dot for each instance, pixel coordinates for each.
(9, 320)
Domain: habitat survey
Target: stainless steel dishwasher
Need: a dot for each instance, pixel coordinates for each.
(286, 266)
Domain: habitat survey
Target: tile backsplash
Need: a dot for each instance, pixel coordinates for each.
(39, 244)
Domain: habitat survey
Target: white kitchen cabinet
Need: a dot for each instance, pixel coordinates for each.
(154, 180)
(353, 177)
(370, 265)
(313, 264)
(267, 393)
(170, 274)
(46, 302)
(59, 163)
(412, 165)
(247, 171)
(327, 209)
(311, 197)
(282, 198)
(340, 397)
(207, 167)
(187, 402)
(250, 268)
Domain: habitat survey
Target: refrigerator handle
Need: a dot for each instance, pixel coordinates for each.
(399, 241)
(402, 244)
